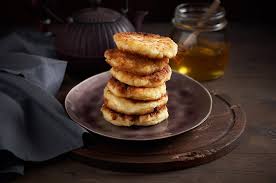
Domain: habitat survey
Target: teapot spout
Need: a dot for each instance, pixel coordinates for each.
(137, 19)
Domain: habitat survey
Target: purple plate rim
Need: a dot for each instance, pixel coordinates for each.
(75, 119)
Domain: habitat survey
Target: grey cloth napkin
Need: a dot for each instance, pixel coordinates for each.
(33, 124)
(42, 71)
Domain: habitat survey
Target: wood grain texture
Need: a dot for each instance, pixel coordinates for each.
(217, 136)
(250, 80)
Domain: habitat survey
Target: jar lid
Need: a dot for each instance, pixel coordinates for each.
(96, 15)
(187, 16)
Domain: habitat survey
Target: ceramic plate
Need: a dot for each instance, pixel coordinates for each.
(189, 105)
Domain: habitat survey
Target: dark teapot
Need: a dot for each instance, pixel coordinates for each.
(85, 36)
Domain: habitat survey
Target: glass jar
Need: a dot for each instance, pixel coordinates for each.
(206, 59)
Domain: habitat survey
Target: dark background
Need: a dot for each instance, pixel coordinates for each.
(25, 12)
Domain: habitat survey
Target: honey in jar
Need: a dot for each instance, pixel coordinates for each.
(204, 61)
(207, 58)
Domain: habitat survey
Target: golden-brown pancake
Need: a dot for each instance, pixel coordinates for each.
(150, 45)
(152, 80)
(138, 93)
(132, 107)
(134, 63)
(120, 119)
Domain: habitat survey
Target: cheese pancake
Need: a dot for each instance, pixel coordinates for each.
(149, 45)
(120, 119)
(152, 80)
(134, 63)
(132, 107)
(138, 93)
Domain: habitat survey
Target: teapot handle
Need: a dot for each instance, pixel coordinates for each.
(95, 3)
(52, 15)
(46, 24)
(124, 10)
(43, 5)
(136, 18)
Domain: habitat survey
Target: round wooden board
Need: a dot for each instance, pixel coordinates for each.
(217, 136)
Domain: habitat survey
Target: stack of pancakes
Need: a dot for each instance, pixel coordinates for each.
(136, 94)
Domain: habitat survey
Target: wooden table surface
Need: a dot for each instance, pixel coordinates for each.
(250, 80)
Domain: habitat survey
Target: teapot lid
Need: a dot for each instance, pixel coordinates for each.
(96, 15)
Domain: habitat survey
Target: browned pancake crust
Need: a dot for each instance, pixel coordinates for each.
(134, 63)
(153, 80)
(139, 93)
(130, 106)
(149, 45)
(120, 119)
